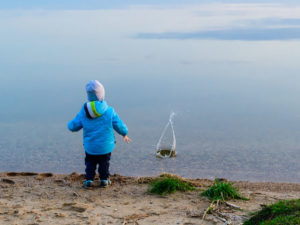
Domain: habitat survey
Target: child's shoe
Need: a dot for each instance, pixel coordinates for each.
(87, 183)
(105, 183)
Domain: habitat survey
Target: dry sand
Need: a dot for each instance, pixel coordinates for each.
(29, 198)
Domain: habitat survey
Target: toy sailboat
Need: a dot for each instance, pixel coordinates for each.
(166, 145)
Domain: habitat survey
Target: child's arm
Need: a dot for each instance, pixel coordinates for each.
(127, 139)
(75, 124)
(120, 127)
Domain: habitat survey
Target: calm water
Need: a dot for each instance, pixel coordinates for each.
(236, 98)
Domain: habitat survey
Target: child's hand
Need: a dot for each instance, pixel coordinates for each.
(127, 139)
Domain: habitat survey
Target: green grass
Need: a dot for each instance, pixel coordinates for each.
(167, 184)
(285, 212)
(222, 191)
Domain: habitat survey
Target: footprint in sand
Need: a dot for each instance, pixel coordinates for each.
(72, 206)
(8, 181)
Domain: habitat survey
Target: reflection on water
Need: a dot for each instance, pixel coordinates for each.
(234, 153)
(231, 126)
(236, 95)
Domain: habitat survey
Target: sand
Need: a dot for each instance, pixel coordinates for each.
(30, 198)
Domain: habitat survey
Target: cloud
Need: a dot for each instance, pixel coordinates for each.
(281, 21)
(248, 30)
(230, 34)
(271, 22)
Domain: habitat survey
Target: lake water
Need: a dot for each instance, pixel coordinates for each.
(236, 98)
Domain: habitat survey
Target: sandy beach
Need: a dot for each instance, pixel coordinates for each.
(31, 198)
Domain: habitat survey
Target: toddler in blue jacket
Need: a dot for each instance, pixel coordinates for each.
(98, 121)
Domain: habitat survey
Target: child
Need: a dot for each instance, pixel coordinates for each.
(98, 121)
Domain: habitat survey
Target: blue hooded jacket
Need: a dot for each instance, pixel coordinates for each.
(98, 121)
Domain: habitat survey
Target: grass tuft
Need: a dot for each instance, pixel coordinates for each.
(222, 191)
(167, 184)
(281, 213)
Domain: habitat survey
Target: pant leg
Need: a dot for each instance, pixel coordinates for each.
(90, 166)
(103, 169)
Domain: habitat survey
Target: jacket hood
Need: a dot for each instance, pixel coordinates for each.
(95, 109)
(95, 91)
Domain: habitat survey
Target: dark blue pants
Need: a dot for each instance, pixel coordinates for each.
(91, 162)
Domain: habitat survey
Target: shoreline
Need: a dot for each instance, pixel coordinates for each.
(81, 176)
(46, 198)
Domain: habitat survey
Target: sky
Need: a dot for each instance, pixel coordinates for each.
(101, 4)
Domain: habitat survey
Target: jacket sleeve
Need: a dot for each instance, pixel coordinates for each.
(75, 124)
(118, 125)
